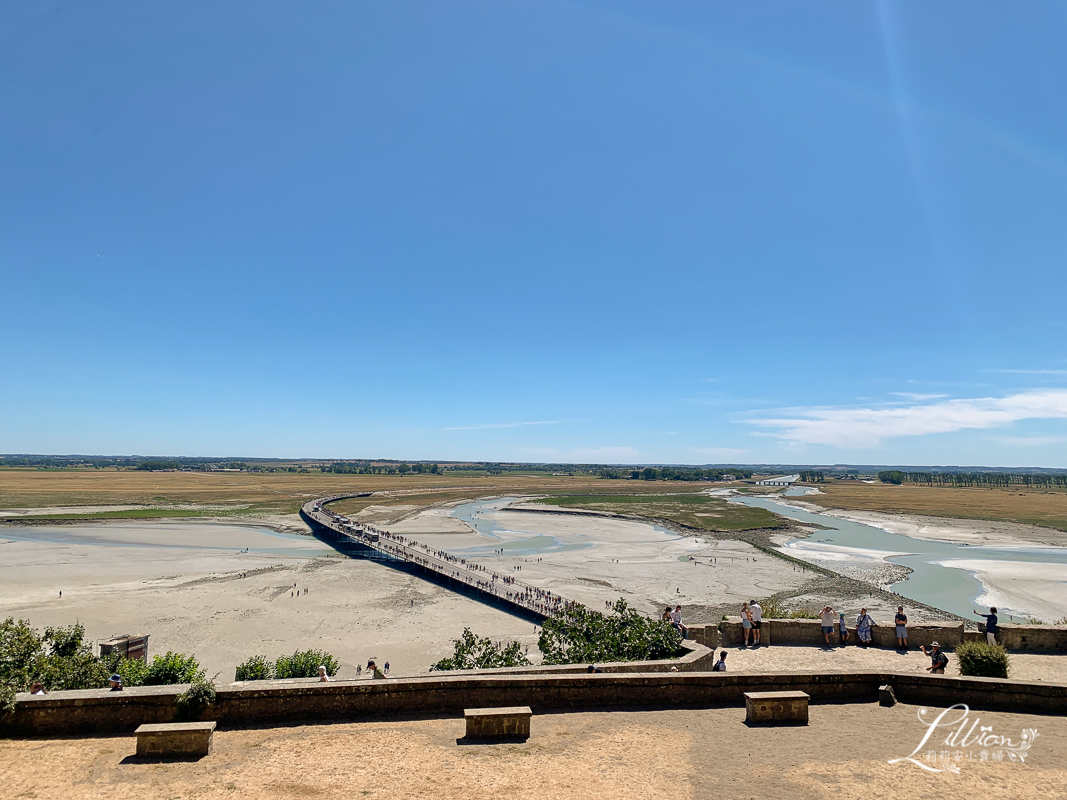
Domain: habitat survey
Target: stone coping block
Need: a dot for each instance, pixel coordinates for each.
(510, 722)
(175, 740)
(776, 707)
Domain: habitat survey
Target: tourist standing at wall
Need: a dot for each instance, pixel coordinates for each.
(901, 622)
(746, 623)
(863, 627)
(757, 621)
(676, 621)
(990, 624)
(826, 616)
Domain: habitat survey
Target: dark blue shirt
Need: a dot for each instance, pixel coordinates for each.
(990, 623)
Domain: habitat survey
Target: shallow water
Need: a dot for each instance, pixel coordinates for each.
(945, 587)
(180, 535)
(520, 539)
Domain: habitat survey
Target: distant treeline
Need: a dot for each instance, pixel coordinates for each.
(366, 468)
(974, 478)
(812, 476)
(674, 474)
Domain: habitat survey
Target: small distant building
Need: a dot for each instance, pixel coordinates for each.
(126, 646)
(782, 480)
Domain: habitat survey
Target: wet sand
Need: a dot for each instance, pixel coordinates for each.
(224, 605)
(598, 559)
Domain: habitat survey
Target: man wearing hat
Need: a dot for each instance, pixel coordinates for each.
(938, 660)
(116, 682)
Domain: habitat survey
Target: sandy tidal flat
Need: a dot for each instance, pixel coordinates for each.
(597, 560)
(194, 590)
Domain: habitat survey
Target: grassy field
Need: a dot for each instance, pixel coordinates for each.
(1014, 504)
(691, 510)
(228, 494)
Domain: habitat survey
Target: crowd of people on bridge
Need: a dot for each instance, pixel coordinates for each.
(478, 576)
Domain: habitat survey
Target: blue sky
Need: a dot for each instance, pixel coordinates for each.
(786, 232)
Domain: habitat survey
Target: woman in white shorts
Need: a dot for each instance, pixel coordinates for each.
(746, 623)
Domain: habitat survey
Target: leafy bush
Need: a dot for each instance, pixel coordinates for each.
(21, 648)
(190, 704)
(133, 671)
(305, 664)
(473, 653)
(257, 668)
(983, 660)
(172, 668)
(7, 698)
(579, 635)
(62, 659)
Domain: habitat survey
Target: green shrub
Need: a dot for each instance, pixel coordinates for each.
(470, 652)
(580, 635)
(133, 671)
(7, 698)
(305, 664)
(172, 668)
(983, 660)
(191, 703)
(257, 668)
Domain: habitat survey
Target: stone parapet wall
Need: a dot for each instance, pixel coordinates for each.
(99, 711)
(698, 658)
(1016, 638)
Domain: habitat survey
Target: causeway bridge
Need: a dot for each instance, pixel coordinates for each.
(501, 589)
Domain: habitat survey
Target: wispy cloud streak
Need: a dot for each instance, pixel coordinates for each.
(867, 427)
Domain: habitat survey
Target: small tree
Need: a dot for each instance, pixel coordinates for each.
(471, 652)
(580, 635)
(983, 660)
(257, 668)
(191, 703)
(305, 664)
(173, 668)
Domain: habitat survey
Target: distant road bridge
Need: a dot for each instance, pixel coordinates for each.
(372, 542)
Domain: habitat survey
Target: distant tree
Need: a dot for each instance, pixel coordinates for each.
(895, 477)
(403, 469)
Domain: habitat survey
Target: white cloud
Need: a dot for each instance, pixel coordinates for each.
(489, 425)
(722, 453)
(918, 398)
(867, 427)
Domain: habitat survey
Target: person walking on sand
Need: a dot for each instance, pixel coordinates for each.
(990, 624)
(863, 627)
(901, 622)
(746, 623)
(826, 616)
(757, 621)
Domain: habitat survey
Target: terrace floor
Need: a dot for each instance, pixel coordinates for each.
(841, 754)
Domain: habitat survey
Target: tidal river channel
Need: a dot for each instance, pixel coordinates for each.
(1021, 580)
